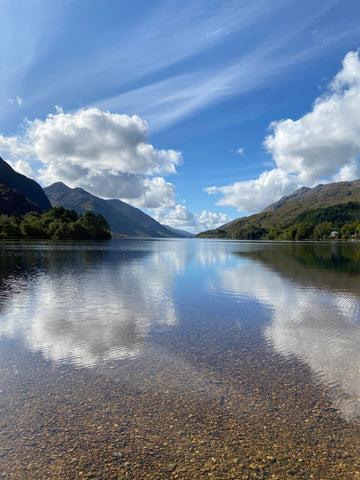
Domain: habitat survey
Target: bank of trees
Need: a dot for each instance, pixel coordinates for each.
(57, 223)
(341, 221)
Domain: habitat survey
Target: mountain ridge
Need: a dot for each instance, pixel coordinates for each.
(124, 219)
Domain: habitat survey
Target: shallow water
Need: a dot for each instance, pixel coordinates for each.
(186, 359)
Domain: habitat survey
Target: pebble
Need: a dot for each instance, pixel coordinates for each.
(152, 419)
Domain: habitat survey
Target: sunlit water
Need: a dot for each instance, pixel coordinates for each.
(196, 359)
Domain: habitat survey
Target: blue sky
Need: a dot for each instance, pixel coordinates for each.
(195, 112)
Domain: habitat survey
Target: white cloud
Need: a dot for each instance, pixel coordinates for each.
(99, 140)
(326, 139)
(253, 195)
(321, 146)
(240, 151)
(108, 154)
(18, 100)
(13, 147)
(157, 194)
(208, 220)
(180, 217)
(23, 168)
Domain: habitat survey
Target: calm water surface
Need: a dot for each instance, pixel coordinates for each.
(179, 359)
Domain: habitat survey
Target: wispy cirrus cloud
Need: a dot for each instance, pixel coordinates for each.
(166, 102)
(158, 38)
(164, 63)
(165, 99)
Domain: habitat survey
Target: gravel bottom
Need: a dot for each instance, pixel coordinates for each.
(178, 412)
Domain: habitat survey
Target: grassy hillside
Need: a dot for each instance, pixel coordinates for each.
(292, 210)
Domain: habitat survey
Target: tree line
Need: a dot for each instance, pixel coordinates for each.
(56, 223)
(337, 221)
(341, 220)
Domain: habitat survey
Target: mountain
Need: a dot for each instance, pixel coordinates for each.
(180, 233)
(122, 217)
(288, 208)
(12, 201)
(31, 190)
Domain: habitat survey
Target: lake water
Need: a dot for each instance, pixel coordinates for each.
(179, 359)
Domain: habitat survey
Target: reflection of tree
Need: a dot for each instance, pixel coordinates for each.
(25, 259)
(86, 303)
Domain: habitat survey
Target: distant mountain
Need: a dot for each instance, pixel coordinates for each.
(181, 233)
(145, 221)
(287, 209)
(123, 218)
(32, 191)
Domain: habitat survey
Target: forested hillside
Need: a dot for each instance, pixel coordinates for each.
(308, 213)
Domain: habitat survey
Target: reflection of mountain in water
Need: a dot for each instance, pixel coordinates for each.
(84, 304)
(316, 310)
(320, 264)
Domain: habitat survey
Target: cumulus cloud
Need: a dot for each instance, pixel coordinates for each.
(158, 193)
(326, 139)
(180, 217)
(23, 168)
(253, 195)
(322, 146)
(208, 220)
(108, 154)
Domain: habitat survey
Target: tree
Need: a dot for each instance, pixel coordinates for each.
(349, 229)
(322, 230)
(289, 233)
(274, 233)
(55, 223)
(304, 230)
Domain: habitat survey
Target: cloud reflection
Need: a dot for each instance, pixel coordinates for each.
(316, 325)
(89, 315)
